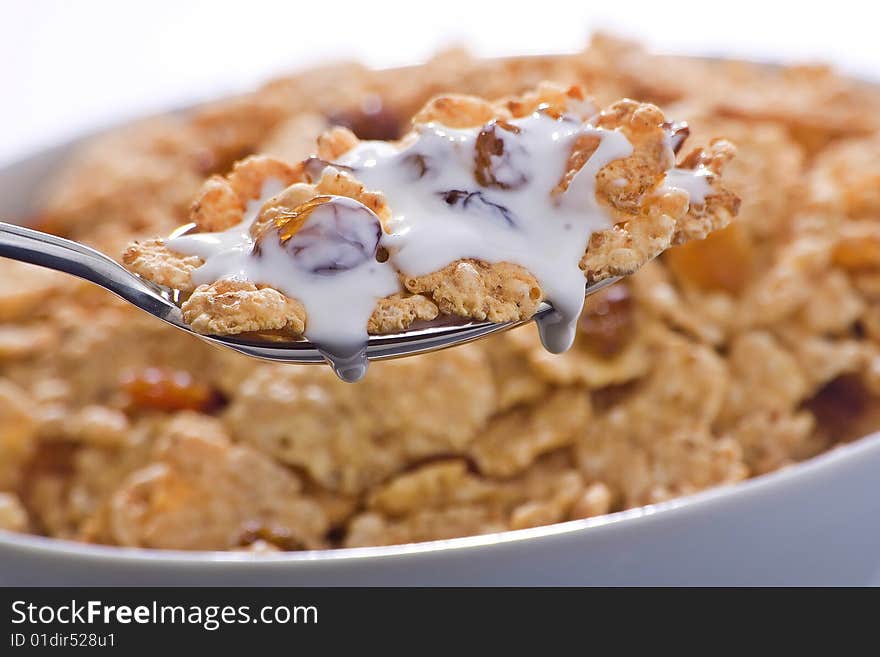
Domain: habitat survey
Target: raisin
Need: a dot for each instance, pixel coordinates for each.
(476, 203)
(607, 324)
(493, 159)
(605, 398)
(845, 409)
(373, 119)
(857, 253)
(50, 458)
(418, 164)
(723, 261)
(164, 389)
(326, 234)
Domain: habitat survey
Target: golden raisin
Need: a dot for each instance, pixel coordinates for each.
(607, 324)
(342, 236)
(289, 226)
(288, 221)
(164, 389)
(722, 261)
(854, 253)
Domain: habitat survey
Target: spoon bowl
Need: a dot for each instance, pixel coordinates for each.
(38, 248)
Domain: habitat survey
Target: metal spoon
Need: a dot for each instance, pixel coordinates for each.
(37, 248)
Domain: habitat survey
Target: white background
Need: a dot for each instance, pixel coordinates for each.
(69, 66)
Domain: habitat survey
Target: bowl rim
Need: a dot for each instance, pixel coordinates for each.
(764, 483)
(49, 546)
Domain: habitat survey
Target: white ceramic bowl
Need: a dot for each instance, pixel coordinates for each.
(813, 523)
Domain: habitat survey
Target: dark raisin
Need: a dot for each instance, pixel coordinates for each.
(373, 119)
(493, 161)
(417, 163)
(606, 325)
(326, 234)
(476, 203)
(845, 409)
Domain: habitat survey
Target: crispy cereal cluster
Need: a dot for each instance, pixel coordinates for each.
(723, 358)
(646, 219)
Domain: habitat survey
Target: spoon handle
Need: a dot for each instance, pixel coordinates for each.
(69, 257)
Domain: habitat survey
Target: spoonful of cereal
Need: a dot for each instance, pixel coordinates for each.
(483, 217)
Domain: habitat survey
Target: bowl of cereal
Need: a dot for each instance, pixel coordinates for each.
(707, 426)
